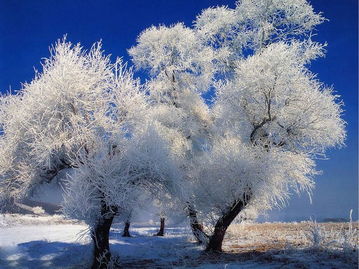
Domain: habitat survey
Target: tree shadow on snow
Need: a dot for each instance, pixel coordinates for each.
(43, 254)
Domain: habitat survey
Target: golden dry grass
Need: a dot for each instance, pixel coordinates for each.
(263, 237)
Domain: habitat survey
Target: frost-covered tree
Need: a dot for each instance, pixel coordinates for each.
(106, 184)
(270, 120)
(252, 25)
(127, 223)
(272, 116)
(168, 207)
(181, 68)
(88, 114)
(55, 123)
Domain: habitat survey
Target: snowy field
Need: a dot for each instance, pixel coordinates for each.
(28, 241)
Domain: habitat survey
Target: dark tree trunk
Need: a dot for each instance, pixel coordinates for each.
(161, 232)
(126, 229)
(197, 228)
(215, 241)
(100, 235)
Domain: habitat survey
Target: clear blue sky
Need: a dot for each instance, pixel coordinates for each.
(28, 27)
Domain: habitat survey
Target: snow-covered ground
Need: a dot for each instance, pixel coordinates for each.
(28, 241)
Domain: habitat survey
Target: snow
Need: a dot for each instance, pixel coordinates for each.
(38, 246)
(28, 241)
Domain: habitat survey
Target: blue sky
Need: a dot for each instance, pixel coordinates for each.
(28, 28)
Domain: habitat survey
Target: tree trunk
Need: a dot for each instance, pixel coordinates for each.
(100, 235)
(161, 232)
(197, 228)
(126, 229)
(215, 241)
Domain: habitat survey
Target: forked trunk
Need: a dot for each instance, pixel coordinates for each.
(100, 235)
(126, 229)
(161, 232)
(197, 228)
(216, 239)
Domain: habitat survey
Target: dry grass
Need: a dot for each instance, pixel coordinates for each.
(263, 237)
